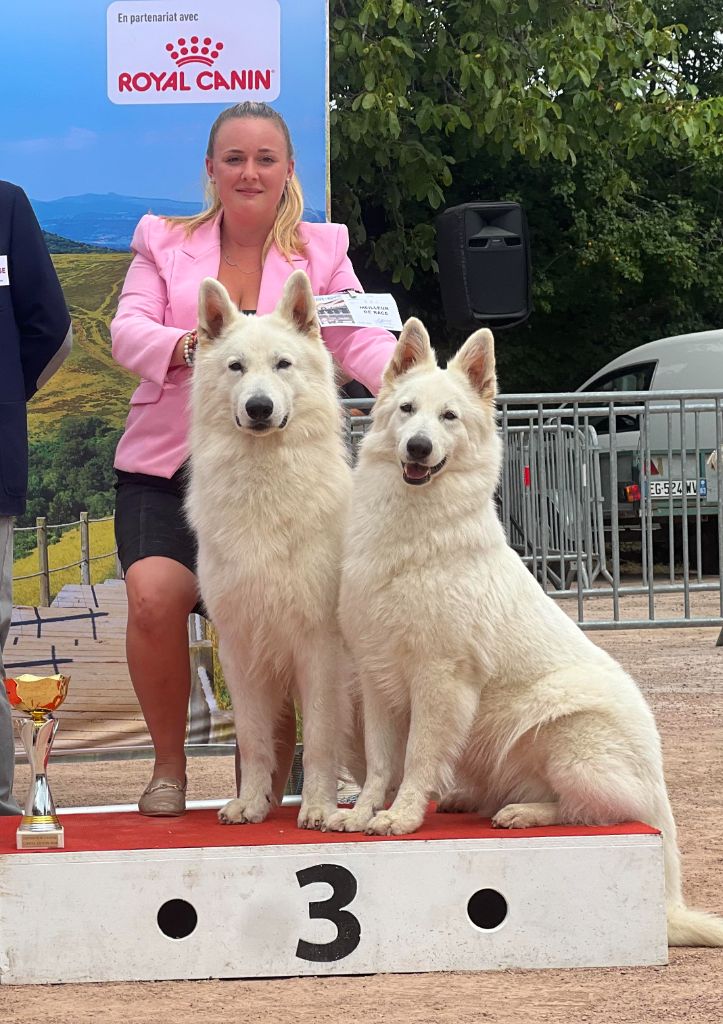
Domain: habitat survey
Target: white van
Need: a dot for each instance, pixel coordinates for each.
(688, 362)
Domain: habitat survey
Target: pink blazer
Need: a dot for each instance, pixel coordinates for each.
(159, 302)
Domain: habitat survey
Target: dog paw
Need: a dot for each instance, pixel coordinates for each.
(518, 816)
(244, 812)
(316, 816)
(389, 823)
(348, 821)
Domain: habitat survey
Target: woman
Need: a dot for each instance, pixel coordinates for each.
(250, 238)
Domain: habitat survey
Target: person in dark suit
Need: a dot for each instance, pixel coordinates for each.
(35, 338)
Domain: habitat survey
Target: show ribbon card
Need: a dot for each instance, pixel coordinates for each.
(358, 309)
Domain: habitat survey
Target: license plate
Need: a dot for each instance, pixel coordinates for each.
(674, 488)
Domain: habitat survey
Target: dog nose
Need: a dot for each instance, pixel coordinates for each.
(259, 407)
(419, 447)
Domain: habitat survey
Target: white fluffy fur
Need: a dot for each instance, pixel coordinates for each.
(475, 683)
(269, 510)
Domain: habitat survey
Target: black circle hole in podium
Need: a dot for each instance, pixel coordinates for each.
(487, 909)
(177, 919)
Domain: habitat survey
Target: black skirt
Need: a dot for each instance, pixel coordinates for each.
(150, 519)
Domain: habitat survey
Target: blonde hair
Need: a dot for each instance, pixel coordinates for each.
(285, 233)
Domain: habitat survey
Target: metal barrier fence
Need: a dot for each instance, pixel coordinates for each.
(613, 501)
(551, 500)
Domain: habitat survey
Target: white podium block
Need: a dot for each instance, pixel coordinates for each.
(134, 899)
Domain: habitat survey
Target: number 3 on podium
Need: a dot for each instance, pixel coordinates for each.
(344, 887)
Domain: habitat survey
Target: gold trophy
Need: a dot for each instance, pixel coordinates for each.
(39, 696)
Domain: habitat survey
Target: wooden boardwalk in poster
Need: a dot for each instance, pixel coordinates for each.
(82, 635)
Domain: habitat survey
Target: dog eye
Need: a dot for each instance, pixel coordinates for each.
(283, 364)
(449, 415)
(407, 407)
(236, 366)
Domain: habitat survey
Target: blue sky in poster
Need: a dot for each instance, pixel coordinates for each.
(63, 137)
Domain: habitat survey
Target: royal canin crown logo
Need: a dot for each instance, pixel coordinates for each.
(200, 51)
(195, 50)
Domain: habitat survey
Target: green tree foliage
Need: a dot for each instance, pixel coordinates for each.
(70, 472)
(602, 119)
(700, 56)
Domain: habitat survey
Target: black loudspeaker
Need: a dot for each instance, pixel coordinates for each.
(483, 252)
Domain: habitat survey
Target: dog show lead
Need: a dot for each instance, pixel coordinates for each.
(250, 237)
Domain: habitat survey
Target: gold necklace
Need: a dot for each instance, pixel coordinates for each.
(230, 263)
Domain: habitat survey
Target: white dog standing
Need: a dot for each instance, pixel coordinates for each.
(268, 497)
(468, 670)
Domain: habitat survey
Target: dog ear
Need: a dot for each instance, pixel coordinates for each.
(297, 305)
(215, 310)
(412, 349)
(476, 359)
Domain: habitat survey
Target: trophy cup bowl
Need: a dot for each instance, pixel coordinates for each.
(38, 697)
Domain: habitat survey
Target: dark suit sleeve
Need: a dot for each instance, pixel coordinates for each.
(40, 311)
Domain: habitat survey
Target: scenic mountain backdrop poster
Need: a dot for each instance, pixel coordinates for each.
(106, 111)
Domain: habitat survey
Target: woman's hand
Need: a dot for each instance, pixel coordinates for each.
(186, 344)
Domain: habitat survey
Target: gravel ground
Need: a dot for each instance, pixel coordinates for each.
(681, 674)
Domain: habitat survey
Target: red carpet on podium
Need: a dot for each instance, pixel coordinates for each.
(201, 828)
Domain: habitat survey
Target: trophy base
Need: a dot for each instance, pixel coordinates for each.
(37, 833)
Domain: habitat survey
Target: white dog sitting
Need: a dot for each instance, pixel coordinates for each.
(268, 497)
(468, 670)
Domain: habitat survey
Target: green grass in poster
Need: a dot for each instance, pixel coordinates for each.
(89, 383)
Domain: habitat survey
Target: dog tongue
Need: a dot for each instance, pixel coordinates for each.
(416, 472)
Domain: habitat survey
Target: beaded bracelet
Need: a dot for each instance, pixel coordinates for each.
(190, 341)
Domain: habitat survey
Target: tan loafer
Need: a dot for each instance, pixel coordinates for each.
(163, 798)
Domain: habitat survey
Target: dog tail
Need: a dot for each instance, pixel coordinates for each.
(686, 926)
(690, 927)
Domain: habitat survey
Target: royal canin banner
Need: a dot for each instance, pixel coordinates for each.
(158, 54)
(106, 107)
